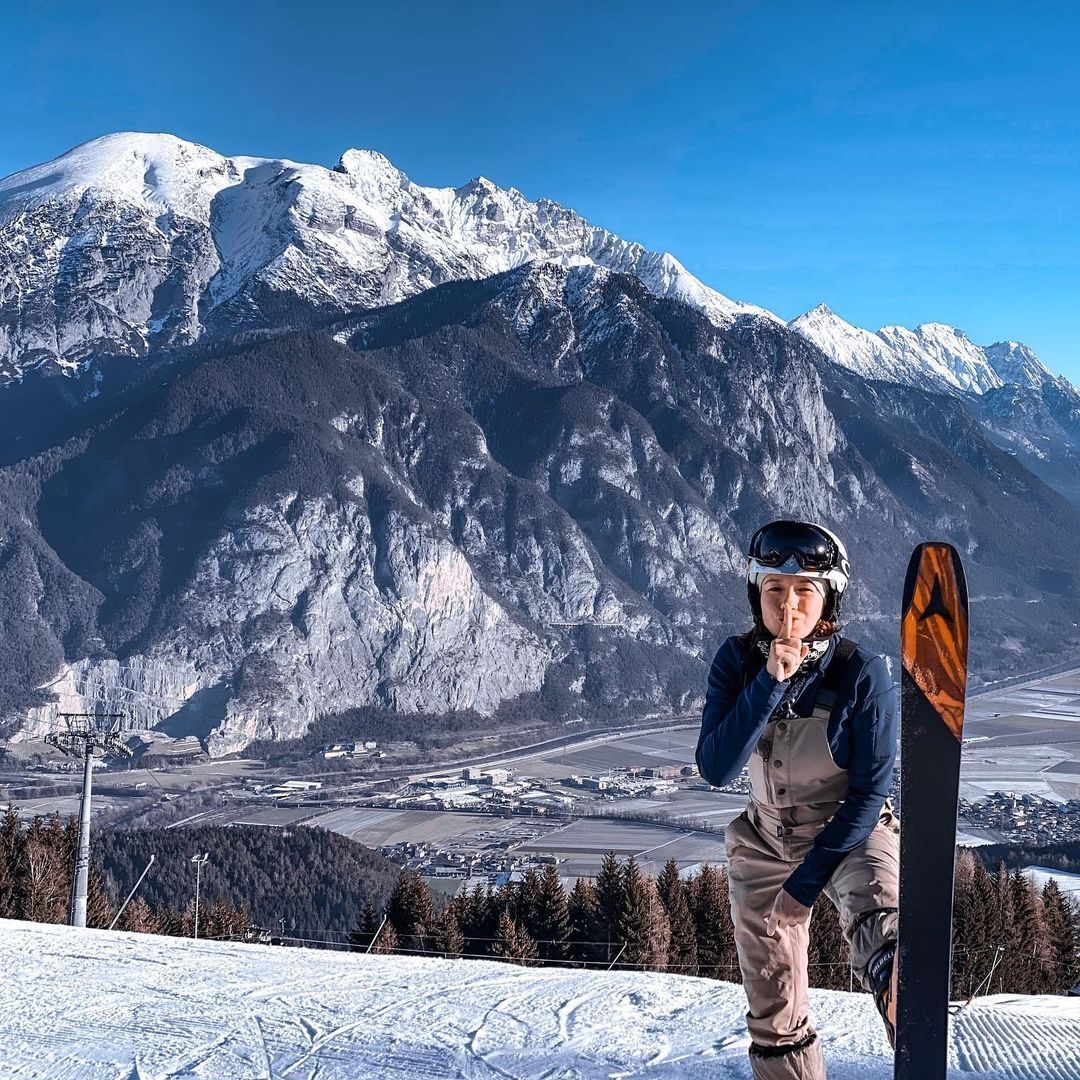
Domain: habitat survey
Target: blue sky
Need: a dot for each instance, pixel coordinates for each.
(904, 163)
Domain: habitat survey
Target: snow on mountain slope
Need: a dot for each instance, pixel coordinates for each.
(946, 351)
(95, 1004)
(861, 351)
(1016, 363)
(933, 356)
(134, 240)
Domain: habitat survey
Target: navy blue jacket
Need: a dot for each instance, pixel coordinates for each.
(862, 739)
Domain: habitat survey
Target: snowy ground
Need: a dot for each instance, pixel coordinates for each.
(88, 1004)
(1067, 883)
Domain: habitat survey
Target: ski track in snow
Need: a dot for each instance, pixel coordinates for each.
(91, 1005)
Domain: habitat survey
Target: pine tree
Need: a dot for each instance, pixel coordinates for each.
(369, 923)
(583, 913)
(725, 932)
(527, 907)
(360, 935)
(965, 869)
(478, 917)
(610, 899)
(139, 918)
(962, 928)
(173, 923)
(510, 898)
(451, 941)
(1029, 936)
(632, 926)
(7, 885)
(221, 921)
(100, 909)
(659, 929)
(545, 913)
(411, 911)
(1009, 973)
(1062, 920)
(682, 948)
(10, 852)
(387, 940)
(711, 918)
(513, 942)
(643, 925)
(975, 939)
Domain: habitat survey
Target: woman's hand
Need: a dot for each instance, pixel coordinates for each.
(786, 911)
(786, 652)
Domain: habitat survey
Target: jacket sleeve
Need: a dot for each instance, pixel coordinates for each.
(734, 716)
(870, 774)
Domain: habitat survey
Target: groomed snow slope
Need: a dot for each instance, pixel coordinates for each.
(1067, 883)
(91, 1004)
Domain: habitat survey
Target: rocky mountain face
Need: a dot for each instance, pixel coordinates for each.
(1040, 427)
(539, 479)
(279, 442)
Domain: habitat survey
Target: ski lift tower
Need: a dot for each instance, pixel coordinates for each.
(83, 734)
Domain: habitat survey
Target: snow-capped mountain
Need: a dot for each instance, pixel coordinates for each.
(867, 354)
(1016, 363)
(933, 356)
(945, 351)
(97, 1004)
(136, 240)
(1025, 408)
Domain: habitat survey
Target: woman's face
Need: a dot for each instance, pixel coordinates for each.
(781, 591)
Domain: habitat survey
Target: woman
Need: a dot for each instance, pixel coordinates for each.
(815, 716)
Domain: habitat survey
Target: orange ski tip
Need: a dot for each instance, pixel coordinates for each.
(934, 636)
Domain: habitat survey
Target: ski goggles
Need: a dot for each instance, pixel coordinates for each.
(774, 544)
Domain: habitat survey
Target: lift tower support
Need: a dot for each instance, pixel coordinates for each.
(82, 735)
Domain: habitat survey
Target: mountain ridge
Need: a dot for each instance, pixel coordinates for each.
(133, 241)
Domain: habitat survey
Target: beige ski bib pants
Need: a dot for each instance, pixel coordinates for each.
(795, 788)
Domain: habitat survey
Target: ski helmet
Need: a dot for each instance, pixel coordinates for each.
(801, 548)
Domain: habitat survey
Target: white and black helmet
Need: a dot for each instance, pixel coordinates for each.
(802, 548)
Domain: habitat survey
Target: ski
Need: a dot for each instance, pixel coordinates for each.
(933, 649)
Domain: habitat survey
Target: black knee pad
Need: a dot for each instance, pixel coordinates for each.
(757, 1050)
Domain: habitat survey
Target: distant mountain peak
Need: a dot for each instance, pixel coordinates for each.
(850, 346)
(132, 165)
(943, 329)
(933, 356)
(1015, 362)
(361, 162)
(375, 174)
